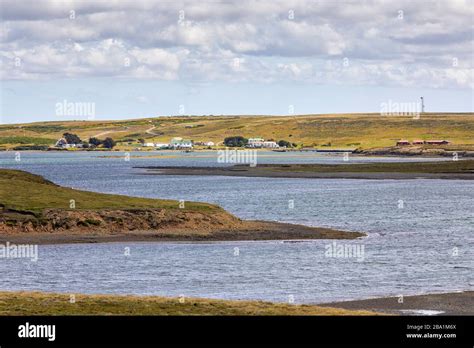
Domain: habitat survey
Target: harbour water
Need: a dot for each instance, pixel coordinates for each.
(420, 233)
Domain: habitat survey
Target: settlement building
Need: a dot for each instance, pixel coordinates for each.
(62, 143)
(403, 142)
(261, 143)
(180, 143)
(255, 142)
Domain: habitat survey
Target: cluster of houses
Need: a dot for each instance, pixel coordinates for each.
(63, 144)
(184, 144)
(261, 143)
(404, 142)
(178, 144)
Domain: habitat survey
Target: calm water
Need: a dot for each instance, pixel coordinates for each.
(422, 244)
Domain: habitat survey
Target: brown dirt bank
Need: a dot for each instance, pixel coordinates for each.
(83, 226)
(456, 303)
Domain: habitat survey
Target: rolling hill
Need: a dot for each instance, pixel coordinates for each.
(364, 131)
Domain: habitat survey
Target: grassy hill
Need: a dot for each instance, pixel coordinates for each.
(26, 192)
(363, 131)
(37, 303)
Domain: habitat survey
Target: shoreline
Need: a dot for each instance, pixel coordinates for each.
(367, 153)
(447, 303)
(31, 303)
(251, 231)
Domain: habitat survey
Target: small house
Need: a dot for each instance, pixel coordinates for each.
(180, 143)
(61, 143)
(418, 142)
(270, 144)
(403, 142)
(255, 142)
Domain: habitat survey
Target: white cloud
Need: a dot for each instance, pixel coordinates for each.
(273, 40)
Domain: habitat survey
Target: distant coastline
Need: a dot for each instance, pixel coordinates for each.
(461, 170)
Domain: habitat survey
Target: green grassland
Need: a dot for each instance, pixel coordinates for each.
(27, 140)
(364, 131)
(22, 191)
(36, 303)
(453, 167)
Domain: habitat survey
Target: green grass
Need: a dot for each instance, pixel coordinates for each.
(24, 191)
(36, 303)
(27, 140)
(461, 166)
(46, 128)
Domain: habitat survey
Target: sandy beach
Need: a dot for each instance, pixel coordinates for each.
(249, 231)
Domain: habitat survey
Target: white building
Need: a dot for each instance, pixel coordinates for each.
(261, 143)
(149, 144)
(64, 144)
(255, 142)
(270, 144)
(180, 143)
(209, 143)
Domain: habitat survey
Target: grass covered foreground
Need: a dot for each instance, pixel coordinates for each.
(38, 303)
(26, 192)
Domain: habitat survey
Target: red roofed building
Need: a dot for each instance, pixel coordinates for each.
(403, 142)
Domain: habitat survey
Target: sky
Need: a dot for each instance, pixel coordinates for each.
(130, 59)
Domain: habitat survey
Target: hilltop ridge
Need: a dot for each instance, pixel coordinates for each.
(363, 131)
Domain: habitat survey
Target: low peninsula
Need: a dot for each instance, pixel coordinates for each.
(460, 170)
(37, 211)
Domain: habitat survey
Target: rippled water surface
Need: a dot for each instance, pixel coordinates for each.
(420, 234)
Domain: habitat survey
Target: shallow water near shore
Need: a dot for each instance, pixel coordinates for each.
(420, 234)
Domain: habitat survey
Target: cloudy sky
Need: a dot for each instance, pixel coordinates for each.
(149, 58)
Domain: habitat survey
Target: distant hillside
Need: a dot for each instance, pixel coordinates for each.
(363, 131)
